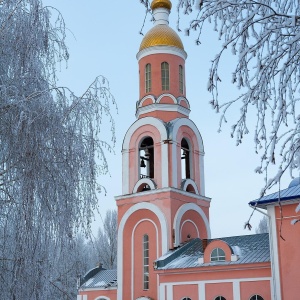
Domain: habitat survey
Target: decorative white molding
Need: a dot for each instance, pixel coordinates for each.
(188, 220)
(162, 190)
(276, 283)
(201, 286)
(167, 95)
(164, 237)
(162, 107)
(148, 181)
(102, 297)
(188, 181)
(161, 50)
(159, 125)
(141, 102)
(180, 212)
(181, 98)
(177, 123)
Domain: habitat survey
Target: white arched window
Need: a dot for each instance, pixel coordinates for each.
(148, 78)
(146, 261)
(186, 298)
(181, 79)
(165, 76)
(217, 254)
(220, 298)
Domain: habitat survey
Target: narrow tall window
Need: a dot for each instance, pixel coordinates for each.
(185, 159)
(148, 78)
(181, 82)
(165, 76)
(146, 261)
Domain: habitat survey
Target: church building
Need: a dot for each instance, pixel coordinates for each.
(165, 249)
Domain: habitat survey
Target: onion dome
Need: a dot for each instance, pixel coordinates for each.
(161, 35)
(161, 3)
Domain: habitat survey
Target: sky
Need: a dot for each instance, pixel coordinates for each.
(103, 39)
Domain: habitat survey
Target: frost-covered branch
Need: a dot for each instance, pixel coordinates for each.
(264, 36)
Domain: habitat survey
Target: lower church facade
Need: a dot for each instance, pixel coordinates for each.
(165, 249)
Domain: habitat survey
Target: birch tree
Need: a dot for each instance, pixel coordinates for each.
(263, 226)
(263, 35)
(51, 153)
(106, 241)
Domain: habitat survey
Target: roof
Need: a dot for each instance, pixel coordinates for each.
(289, 194)
(249, 248)
(161, 35)
(161, 3)
(101, 279)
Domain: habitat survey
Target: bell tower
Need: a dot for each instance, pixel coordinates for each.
(163, 202)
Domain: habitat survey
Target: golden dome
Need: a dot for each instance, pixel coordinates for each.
(161, 3)
(161, 35)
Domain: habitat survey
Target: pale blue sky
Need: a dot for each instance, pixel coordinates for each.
(105, 42)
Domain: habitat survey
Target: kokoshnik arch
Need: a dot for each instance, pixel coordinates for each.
(165, 250)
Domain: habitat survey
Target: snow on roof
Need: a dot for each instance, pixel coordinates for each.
(289, 194)
(249, 248)
(102, 279)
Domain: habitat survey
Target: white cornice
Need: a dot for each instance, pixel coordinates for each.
(163, 190)
(162, 107)
(161, 50)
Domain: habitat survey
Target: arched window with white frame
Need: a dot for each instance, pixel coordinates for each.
(220, 298)
(186, 298)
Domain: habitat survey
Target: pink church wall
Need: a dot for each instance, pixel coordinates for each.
(288, 251)
(225, 289)
(136, 226)
(166, 116)
(155, 60)
(189, 228)
(189, 290)
(250, 288)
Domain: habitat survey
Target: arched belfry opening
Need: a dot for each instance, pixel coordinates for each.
(146, 155)
(185, 159)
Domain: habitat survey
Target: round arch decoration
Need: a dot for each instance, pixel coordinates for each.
(180, 212)
(164, 236)
(186, 182)
(102, 298)
(151, 97)
(142, 182)
(166, 95)
(159, 125)
(177, 123)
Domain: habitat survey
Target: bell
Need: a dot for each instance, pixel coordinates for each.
(147, 153)
(143, 165)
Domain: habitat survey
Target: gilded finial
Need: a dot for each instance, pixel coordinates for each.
(161, 3)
